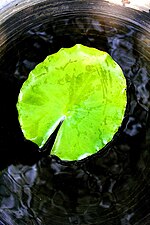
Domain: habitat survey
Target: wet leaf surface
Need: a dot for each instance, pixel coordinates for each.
(82, 88)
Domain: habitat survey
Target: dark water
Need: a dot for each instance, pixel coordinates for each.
(111, 187)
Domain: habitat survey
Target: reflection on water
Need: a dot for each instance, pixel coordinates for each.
(104, 189)
(111, 187)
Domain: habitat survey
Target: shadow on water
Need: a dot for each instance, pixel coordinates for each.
(110, 187)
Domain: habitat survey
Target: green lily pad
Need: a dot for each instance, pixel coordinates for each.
(81, 86)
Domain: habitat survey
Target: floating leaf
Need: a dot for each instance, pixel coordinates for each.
(84, 88)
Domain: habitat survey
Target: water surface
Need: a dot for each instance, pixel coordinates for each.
(110, 187)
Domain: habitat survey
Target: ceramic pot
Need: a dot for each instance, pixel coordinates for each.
(111, 187)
